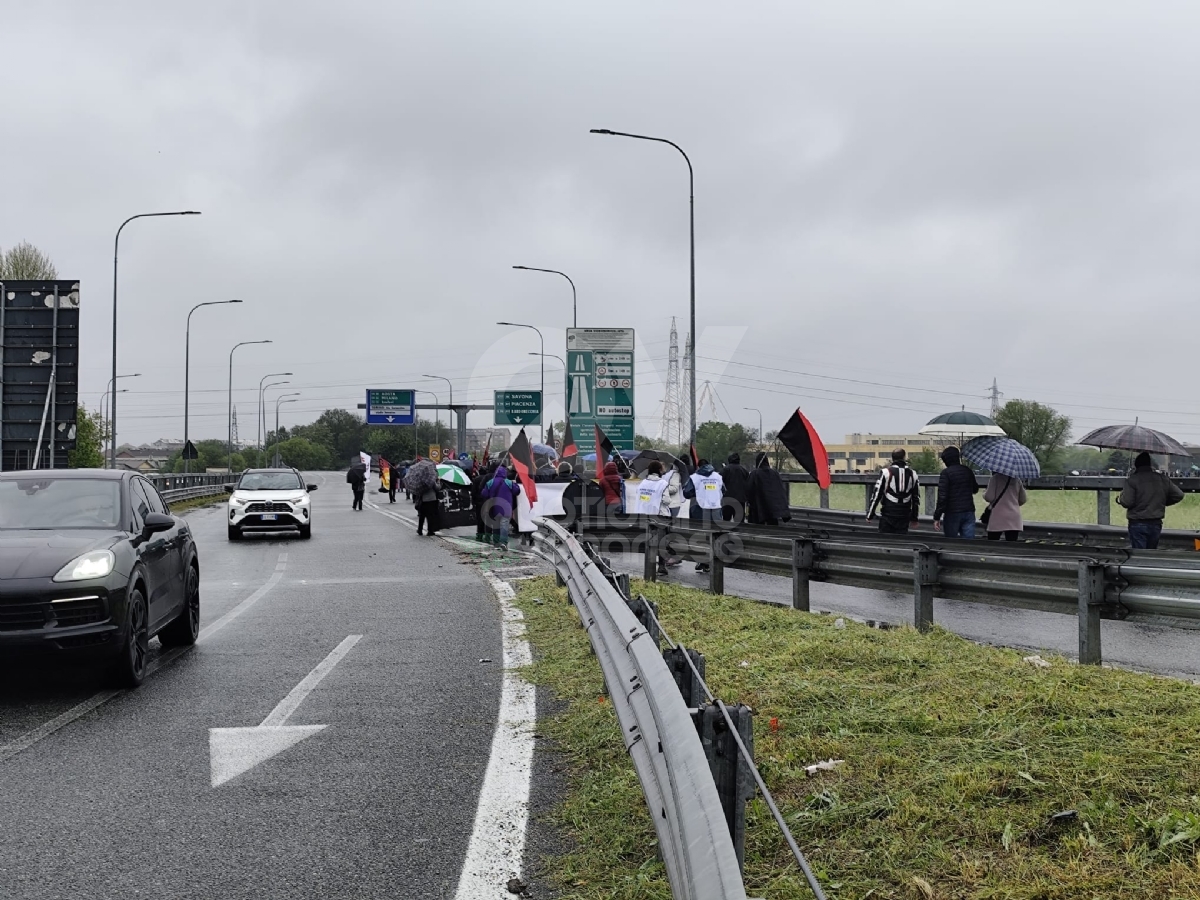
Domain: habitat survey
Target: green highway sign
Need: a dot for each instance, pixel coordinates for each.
(600, 383)
(386, 407)
(518, 408)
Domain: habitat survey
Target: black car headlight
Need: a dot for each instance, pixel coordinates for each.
(94, 564)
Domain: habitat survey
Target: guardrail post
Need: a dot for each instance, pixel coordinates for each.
(645, 611)
(1091, 596)
(731, 773)
(802, 561)
(716, 568)
(685, 679)
(650, 561)
(925, 576)
(1103, 507)
(824, 498)
(930, 499)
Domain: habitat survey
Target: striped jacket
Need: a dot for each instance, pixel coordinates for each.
(897, 493)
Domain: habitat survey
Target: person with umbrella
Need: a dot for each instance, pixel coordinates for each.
(1011, 463)
(1146, 496)
(356, 477)
(957, 487)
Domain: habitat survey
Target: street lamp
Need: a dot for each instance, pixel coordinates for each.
(262, 410)
(229, 439)
(187, 365)
(692, 225)
(543, 366)
(112, 408)
(451, 384)
(574, 298)
(262, 394)
(278, 400)
(107, 390)
(437, 416)
(564, 365)
(104, 418)
(759, 411)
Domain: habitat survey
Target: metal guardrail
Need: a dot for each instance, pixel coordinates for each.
(189, 487)
(659, 734)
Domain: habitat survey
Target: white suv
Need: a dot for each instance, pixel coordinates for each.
(270, 499)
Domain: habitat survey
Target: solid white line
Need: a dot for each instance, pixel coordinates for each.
(497, 846)
(27, 740)
(288, 705)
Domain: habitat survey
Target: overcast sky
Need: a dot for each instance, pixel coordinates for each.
(898, 201)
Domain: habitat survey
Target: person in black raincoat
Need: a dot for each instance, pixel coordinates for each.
(737, 489)
(767, 494)
(357, 479)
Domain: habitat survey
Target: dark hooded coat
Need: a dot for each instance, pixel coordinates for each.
(767, 494)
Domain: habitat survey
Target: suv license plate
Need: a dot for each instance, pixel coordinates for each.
(269, 517)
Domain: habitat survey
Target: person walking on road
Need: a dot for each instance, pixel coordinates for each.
(705, 489)
(652, 500)
(499, 498)
(357, 479)
(1146, 496)
(767, 495)
(897, 496)
(736, 479)
(957, 487)
(1005, 496)
(393, 479)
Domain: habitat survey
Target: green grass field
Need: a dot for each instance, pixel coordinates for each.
(1075, 507)
(957, 756)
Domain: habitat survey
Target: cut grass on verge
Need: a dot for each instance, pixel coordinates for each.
(956, 759)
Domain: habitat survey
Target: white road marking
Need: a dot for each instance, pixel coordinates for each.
(497, 845)
(27, 740)
(233, 751)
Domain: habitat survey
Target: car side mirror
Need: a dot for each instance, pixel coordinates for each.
(229, 488)
(310, 487)
(156, 522)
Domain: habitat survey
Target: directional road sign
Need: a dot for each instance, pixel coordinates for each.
(518, 408)
(600, 380)
(390, 407)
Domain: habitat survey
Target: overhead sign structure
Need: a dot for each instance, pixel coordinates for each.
(518, 408)
(600, 380)
(390, 407)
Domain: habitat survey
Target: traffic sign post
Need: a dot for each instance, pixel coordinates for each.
(600, 383)
(518, 408)
(386, 407)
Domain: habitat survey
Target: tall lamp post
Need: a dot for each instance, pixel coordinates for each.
(112, 406)
(564, 365)
(759, 411)
(692, 226)
(109, 422)
(278, 400)
(542, 342)
(262, 409)
(574, 297)
(451, 386)
(229, 439)
(262, 398)
(437, 417)
(187, 366)
(104, 419)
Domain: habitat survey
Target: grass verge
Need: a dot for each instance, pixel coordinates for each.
(956, 759)
(182, 506)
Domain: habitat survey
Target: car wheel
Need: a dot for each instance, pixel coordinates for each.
(129, 668)
(306, 531)
(184, 629)
(235, 533)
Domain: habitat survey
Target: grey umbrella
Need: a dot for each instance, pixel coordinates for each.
(1134, 437)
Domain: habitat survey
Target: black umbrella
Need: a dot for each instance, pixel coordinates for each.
(1134, 437)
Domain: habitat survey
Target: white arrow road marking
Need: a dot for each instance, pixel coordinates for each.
(233, 751)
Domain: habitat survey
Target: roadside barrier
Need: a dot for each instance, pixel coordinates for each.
(694, 758)
(189, 487)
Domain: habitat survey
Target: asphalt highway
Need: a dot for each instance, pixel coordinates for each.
(214, 779)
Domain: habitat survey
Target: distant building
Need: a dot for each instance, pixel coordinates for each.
(147, 458)
(871, 452)
(477, 439)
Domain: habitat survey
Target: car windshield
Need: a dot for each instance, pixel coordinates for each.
(270, 481)
(60, 503)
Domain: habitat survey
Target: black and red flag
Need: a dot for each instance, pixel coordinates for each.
(521, 454)
(605, 451)
(486, 447)
(569, 450)
(695, 458)
(799, 436)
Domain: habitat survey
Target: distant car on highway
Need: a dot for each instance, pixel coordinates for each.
(92, 564)
(267, 500)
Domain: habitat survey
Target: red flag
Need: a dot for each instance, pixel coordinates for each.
(569, 450)
(695, 458)
(799, 436)
(521, 454)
